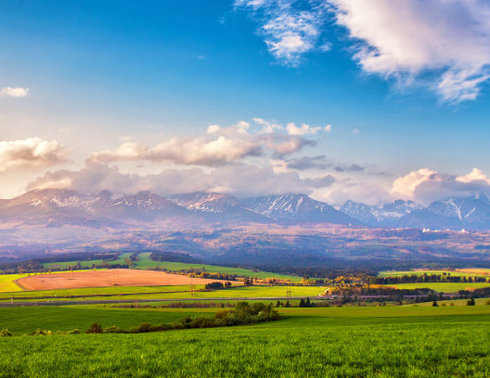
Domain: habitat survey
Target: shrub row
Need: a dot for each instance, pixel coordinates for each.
(242, 314)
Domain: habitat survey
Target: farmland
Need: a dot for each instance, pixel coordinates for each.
(349, 341)
(144, 262)
(113, 277)
(166, 292)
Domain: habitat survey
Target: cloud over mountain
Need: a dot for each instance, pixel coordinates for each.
(243, 180)
(426, 185)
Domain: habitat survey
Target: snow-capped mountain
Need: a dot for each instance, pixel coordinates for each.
(218, 206)
(297, 207)
(386, 215)
(54, 207)
(454, 213)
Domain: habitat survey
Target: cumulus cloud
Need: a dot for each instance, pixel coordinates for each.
(426, 185)
(442, 44)
(14, 92)
(219, 146)
(288, 31)
(246, 180)
(30, 153)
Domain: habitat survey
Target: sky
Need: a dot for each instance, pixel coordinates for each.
(338, 99)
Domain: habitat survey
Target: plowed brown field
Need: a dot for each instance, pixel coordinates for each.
(111, 277)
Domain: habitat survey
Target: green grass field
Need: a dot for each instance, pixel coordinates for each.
(145, 262)
(481, 272)
(442, 287)
(7, 283)
(88, 263)
(332, 342)
(167, 292)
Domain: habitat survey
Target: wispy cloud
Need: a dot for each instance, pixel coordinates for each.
(288, 31)
(439, 44)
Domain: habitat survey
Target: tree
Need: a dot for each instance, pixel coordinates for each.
(302, 303)
(308, 303)
(434, 304)
(471, 302)
(287, 304)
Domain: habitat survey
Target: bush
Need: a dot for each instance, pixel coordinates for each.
(471, 302)
(73, 332)
(95, 328)
(4, 332)
(41, 332)
(113, 329)
(142, 328)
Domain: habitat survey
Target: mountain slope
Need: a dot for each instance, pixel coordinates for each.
(453, 213)
(297, 207)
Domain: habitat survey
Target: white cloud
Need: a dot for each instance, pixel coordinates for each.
(475, 175)
(267, 126)
(30, 153)
(219, 146)
(301, 130)
(14, 92)
(356, 131)
(328, 128)
(405, 39)
(426, 185)
(440, 44)
(212, 129)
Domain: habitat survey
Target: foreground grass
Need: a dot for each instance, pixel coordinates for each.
(308, 342)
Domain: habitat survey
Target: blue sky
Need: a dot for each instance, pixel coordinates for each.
(98, 75)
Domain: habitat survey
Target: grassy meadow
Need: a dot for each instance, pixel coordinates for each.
(442, 287)
(7, 283)
(349, 341)
(163, 292)
(480, 272)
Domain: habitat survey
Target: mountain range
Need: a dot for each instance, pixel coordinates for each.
(57, 207)
(455, 213)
